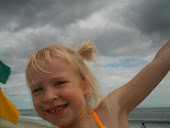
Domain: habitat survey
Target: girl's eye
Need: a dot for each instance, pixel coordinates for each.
(37, 90)
(59, 83)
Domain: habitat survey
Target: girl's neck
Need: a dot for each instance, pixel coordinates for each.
(84, 121)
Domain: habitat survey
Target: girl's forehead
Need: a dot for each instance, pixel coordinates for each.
(48, 69)
(52, 65)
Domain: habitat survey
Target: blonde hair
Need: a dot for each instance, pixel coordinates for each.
(85, 51)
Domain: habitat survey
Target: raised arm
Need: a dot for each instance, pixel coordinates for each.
(136, 90)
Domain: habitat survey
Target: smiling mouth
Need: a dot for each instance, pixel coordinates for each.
(57, 109)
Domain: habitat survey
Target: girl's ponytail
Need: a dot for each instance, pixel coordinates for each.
(87, 50)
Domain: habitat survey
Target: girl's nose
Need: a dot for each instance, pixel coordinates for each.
(50, 95)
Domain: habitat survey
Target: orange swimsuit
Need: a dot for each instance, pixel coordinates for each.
(98, 121)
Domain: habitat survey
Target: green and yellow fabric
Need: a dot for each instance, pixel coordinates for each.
(8, 110)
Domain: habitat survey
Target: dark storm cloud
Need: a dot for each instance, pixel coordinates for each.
(20, 14)
(148, 23)
(150, 17)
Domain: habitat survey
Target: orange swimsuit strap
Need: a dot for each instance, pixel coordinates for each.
(98, 121)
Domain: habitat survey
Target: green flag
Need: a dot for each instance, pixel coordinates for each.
(4, 72)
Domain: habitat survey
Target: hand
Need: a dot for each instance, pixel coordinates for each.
(164, 54)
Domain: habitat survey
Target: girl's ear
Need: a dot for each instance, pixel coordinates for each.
(86, 87)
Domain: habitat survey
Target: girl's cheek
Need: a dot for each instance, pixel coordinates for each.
(36, 100)
(38, 95)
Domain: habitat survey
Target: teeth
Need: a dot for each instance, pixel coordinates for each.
(59, 109)
(53, 111)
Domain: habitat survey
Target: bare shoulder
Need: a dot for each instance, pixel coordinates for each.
(110, 113)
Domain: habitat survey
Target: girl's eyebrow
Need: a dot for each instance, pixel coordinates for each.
(35, 84)
(57, 77)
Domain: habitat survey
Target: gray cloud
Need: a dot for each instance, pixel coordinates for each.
(149, 17)
(21, 14)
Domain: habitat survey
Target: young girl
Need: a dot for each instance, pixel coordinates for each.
(65, 91)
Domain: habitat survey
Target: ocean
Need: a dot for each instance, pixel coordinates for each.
(152, 117)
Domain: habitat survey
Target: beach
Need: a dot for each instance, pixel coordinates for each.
(152, 117)
(21, 124)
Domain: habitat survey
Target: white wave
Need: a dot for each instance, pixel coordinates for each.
(34, 119)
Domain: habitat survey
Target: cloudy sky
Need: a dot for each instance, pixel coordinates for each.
(127, 33)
